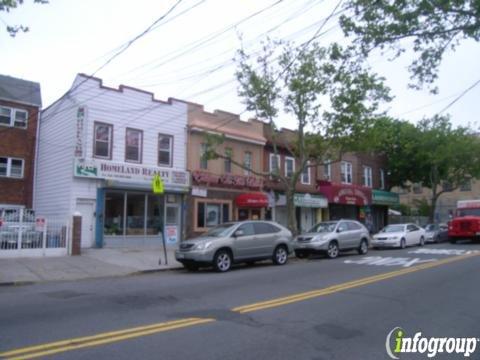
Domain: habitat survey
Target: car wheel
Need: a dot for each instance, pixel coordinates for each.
(332, 250)
(403, 244)
(422, 241)
(363, 248)
(301, 254)
(222, 261)
(280, 255)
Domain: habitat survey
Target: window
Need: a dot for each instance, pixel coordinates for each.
(13, 117)
(228, 160)
(274, 164)
(265, 228)
(367, 176)
(247, 229)
(165, 150)
(342, 227)
(10, 167)
(289, 166)
(353, 226)
(466, 185)
(203, 157)
(306, 174)
(382, 179)
(346, 172)
(327, 170)
(133, 145)
(103, 139)
(210, 214)
(417, 188)
(247, 162)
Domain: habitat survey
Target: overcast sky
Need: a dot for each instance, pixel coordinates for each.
(189, 54)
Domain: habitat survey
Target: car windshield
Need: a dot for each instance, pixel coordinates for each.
(468, 212)
(220, 230)
(324, 227)
(393, 228)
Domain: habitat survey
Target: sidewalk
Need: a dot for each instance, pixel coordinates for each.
(93, 263)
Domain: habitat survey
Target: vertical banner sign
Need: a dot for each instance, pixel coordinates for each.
(79, 136)
(157, 184)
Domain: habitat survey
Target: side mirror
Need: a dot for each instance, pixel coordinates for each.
(238, 233)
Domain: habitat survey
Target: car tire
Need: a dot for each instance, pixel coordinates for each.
(332, 250)
(363, 248)
(280, 255)
(222, 261)
(422, 241)
(403, 244)
(301, 254)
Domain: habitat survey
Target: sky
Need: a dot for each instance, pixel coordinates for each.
(189, 54)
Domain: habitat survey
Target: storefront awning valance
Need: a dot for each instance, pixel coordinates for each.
(252, 200)
(346, 194)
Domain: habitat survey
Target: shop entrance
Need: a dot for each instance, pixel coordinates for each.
(249, 214)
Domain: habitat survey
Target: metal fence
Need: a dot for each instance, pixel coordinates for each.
(24, 234)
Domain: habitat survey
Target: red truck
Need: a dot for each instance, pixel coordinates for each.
(466, 223)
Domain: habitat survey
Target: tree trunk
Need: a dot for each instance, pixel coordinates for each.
(291, 218)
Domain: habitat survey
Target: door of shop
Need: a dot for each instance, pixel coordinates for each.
(86, 208)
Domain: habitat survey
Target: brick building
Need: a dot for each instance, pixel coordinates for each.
(20, 104)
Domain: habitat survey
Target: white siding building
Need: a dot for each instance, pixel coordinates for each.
(99, 149)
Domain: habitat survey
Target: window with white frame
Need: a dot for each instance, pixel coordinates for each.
(327, 170)
(367, 176)
(382, 179)
(11, 167)
(274, 164)
(103, 139)
(346, 172)
(247, 163)
(13, 117)
(289, 166)
(133, 145)
(165, 150)
(306, 174)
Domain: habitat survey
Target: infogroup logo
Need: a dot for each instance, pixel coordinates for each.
(398, 343)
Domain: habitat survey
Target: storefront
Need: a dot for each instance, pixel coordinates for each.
(127, 212)
(216, 199)
(347, 201)
(381, 201)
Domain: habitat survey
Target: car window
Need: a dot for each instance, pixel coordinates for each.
(265, 228)
(343, 226)
(323, 227)
(353, 226)
(412, 228)
(247, 229)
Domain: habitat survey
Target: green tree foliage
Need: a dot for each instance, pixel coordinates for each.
(434, 27)
(330, 96)
(7, 5)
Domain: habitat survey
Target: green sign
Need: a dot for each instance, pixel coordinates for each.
(157, 185)
(381, 197)
(311, 201)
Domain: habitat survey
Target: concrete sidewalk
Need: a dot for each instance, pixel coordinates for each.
(93, 263)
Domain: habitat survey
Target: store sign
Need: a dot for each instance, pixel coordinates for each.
(196, 191)
(80, 133)
(227, 180)
(380, 197)
(125, 172)
(310, 201)
(347, 194)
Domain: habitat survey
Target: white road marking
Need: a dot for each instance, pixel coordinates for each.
(388, 261)
(457, 252)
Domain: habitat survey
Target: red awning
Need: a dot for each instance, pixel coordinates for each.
(345, 193)
(252, 200)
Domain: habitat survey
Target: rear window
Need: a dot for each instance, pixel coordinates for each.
(265, 228)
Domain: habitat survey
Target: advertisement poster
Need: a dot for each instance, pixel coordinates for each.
(171, 234)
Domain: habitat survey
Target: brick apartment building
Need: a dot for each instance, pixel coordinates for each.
(20, 104)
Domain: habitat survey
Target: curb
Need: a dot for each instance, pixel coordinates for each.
(16, 283)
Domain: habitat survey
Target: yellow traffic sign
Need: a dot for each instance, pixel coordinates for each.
(157, 185)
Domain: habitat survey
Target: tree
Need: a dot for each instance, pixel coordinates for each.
(7, 5)
(330, 95)
(434, 26)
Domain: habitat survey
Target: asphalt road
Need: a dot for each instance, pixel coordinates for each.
(308, 309)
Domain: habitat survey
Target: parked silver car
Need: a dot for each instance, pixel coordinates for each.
(331, 237)
(245, 241)
(436, 233)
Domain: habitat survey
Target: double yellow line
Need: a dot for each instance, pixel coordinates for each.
(99, 339)
(115, 336)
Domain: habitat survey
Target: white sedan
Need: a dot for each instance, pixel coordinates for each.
(399, 235)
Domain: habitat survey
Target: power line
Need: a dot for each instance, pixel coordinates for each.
(460, 96)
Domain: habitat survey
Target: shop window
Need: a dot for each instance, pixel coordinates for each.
(247, 163)
(212, 214)
(228, 160)
(103, 138)
(135, 214)
(346, 172)
(133, 145)
(114, 210)
(203, 157)
(155, 206)
(165, 150)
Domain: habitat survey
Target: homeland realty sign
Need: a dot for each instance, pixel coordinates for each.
(126, 172)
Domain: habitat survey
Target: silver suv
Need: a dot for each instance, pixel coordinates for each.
(245, 241)
(331, 237)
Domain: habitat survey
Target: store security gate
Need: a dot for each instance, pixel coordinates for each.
(24, 234)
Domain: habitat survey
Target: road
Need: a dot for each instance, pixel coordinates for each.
(309, 309)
